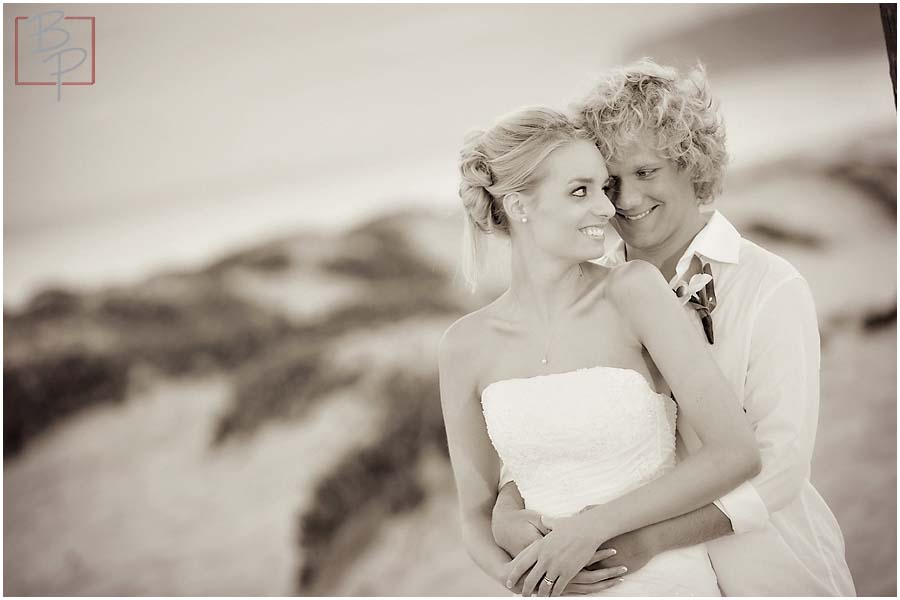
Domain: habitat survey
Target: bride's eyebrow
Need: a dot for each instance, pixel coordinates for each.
(581, 180)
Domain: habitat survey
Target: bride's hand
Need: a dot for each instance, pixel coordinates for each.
(558, 557)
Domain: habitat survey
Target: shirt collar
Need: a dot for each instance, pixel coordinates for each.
(718, 241)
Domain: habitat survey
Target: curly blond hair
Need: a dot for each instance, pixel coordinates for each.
(679, 111)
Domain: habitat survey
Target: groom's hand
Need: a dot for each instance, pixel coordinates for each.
(515, 530)
(514, 527)
(633, 550)
(623, 554)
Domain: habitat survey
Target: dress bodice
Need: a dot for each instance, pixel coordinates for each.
(580, 437)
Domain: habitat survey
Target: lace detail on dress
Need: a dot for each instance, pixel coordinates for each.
(581, 437)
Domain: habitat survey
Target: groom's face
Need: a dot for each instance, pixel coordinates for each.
(655, 202)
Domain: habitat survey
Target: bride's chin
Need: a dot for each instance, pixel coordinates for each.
(584, 258)
(599, 242)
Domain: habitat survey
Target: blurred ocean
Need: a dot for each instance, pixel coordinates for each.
(211, 127)
(227, 266)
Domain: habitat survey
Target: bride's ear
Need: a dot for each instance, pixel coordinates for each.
(514, 207)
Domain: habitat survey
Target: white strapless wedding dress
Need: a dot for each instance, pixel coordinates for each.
(586, 437)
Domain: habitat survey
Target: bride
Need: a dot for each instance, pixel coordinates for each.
(556, 378)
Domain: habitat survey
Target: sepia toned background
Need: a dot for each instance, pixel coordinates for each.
(227, 265)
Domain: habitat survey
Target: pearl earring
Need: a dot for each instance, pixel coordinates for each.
(524, 219)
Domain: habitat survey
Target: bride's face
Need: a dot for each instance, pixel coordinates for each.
(568, 210)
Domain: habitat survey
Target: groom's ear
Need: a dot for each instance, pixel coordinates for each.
(514, 206)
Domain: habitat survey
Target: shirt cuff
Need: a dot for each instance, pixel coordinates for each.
(744, 508)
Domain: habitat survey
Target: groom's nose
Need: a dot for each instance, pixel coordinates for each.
(627, 196)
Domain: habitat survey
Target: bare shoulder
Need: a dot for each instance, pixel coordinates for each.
(635, 281)
(464, 346)
(462, 336)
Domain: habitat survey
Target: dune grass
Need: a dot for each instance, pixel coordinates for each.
(378, 480)
(285, 383)
(66, 351)
(44, 391)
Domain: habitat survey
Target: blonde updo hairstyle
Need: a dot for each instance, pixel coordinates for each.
(678, 110)
(500, 161)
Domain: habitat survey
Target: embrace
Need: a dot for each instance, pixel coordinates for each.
(638, 421)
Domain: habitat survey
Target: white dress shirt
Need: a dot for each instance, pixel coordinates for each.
(786, 542)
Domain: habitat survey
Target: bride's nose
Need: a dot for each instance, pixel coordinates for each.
(603, 207)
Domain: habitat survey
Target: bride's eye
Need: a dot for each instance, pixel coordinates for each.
(580, 191)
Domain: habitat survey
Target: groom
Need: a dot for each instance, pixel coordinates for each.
(774, 535)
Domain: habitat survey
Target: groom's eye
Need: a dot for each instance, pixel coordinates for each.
(580, 191)
(611, 188)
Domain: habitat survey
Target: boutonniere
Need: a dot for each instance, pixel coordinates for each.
(700, 293)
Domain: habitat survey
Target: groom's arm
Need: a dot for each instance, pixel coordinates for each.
(514, 528)
(781, 399)
(635, 548)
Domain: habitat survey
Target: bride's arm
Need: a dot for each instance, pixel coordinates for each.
(729, 455)
(476, 466)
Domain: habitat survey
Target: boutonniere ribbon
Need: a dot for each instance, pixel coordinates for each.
(700, 293)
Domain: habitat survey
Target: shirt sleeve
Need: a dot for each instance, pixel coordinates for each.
(781, 399)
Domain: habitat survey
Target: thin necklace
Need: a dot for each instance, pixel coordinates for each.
(545, 359)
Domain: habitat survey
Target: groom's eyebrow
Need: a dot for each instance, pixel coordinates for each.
(581, 180)
(648, 162)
